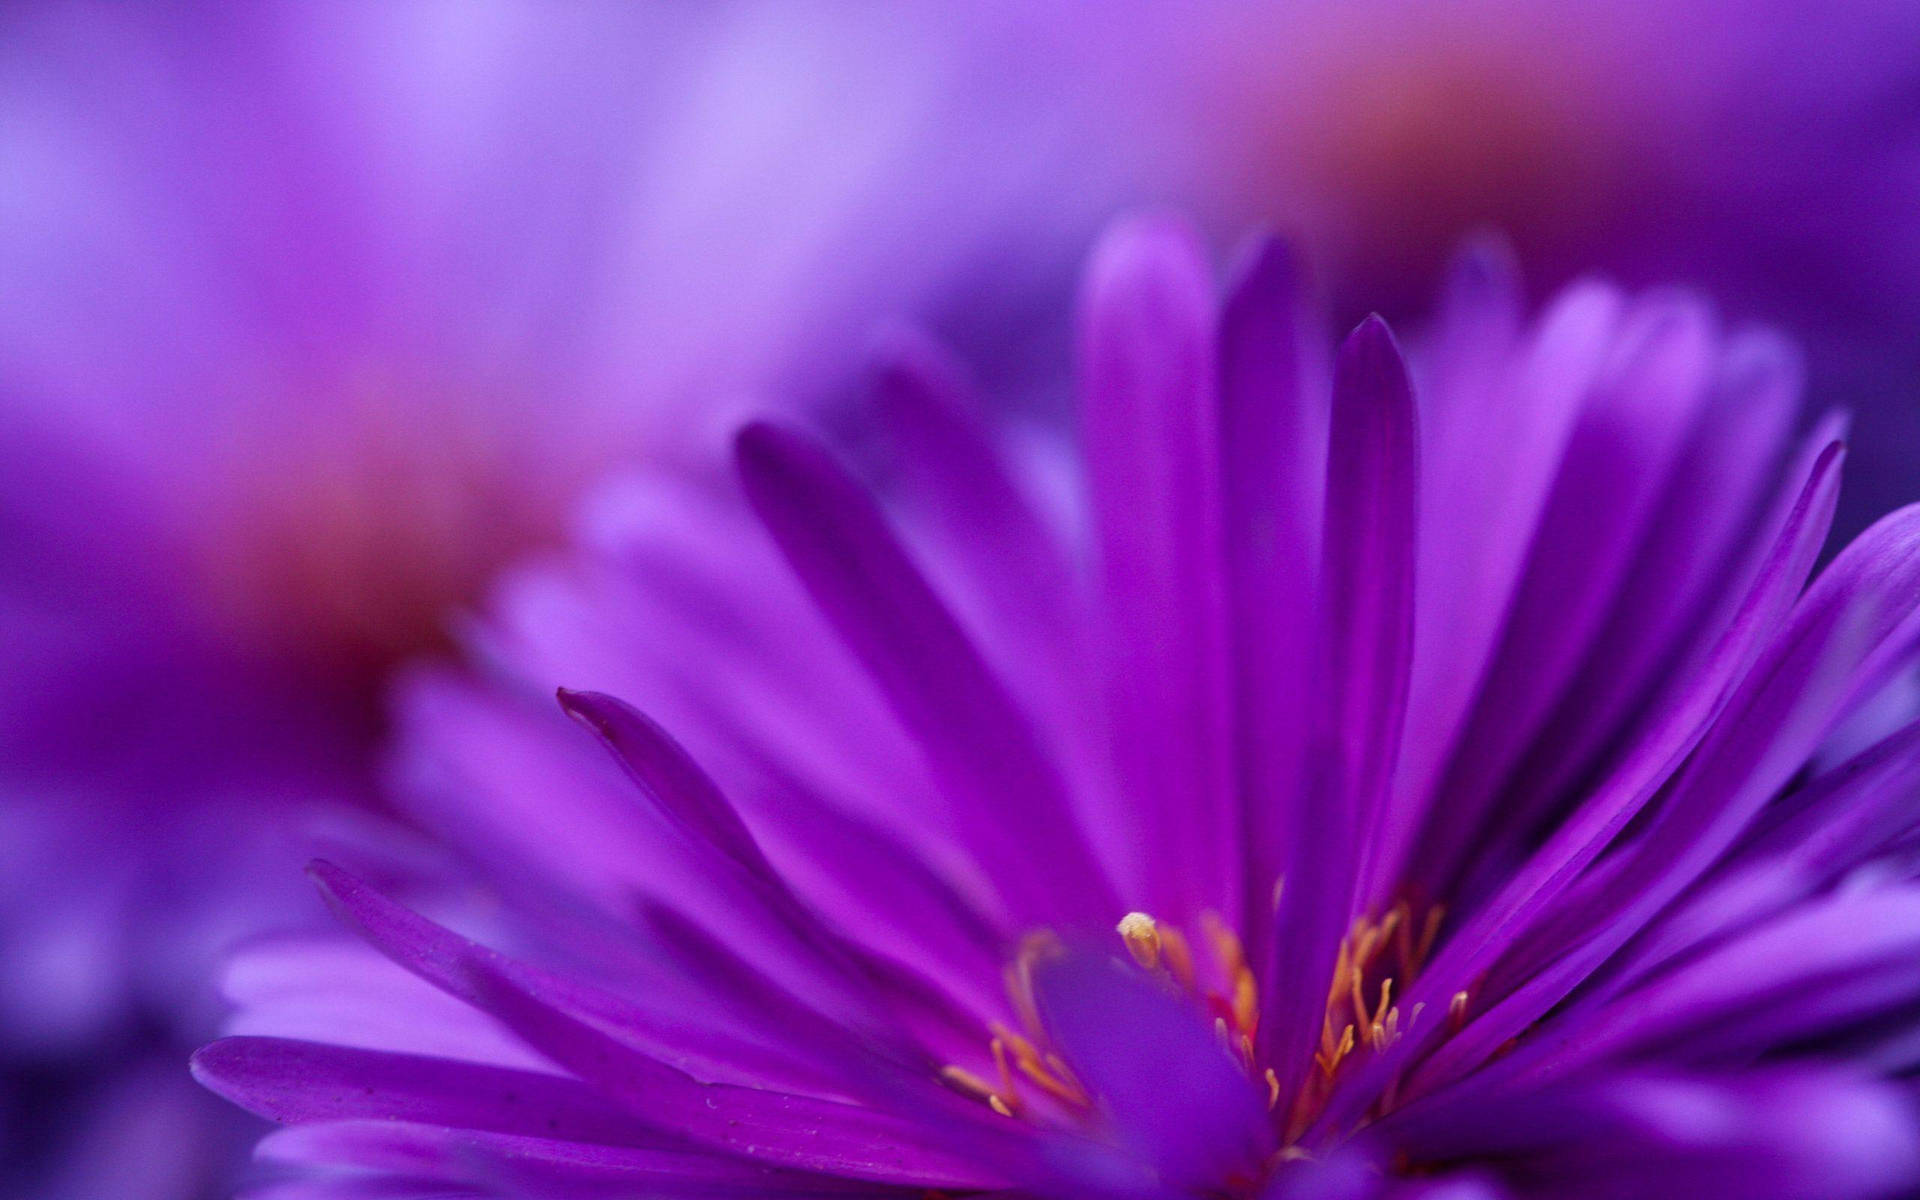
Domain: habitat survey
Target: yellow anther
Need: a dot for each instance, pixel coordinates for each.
(1177, 955)
(1055, 1080)
(963, 1080)
(1034, 947)
(1457, 1011)
(1006, 1076)
(998, 1105)
(1246, 1001)
(1142, 937)
(1226, 943)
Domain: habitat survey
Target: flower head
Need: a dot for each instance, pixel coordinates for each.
(1374, 782)
(1767, 152)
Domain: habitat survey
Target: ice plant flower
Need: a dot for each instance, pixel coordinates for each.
(311, 317)
(1430, 777)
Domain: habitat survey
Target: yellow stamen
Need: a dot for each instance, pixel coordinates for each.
(1177, 955)
(1027, 1059)
(1142, 938)
(1246, 1001)
(963, 1080)
(1006, 1076)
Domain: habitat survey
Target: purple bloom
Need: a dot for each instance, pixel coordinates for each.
(311, 317)
(1768, 151)
(1317, 782)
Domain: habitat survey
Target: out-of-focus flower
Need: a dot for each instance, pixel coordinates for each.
(313, 315)
(1769, 151)
(1465, 762)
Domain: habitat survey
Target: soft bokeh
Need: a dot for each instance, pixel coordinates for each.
(1768, 150)
(314, 315)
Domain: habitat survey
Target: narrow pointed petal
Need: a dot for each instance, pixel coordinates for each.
(1273, 438)
(1151, 438)
(1666, 741)
(1360, 682)
(1487, 470)
(1704, 525)
(1618, 459)
(295, 1082)
(999, 556)
(851, 1140)
(1821, 970)
(1793, 698)
(1007, 798)
(677, 787)
(521, 1165)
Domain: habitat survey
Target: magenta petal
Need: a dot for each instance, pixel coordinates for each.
(776, 1127)
(1790, 701)
(670, 779)
(510, 1163)
(1008, 799)
(1151, 439)
(1618, 459)
(1273, 438)
(1667, 739)
(1360, 682)
(1003, 565)
(299, 1082)
(1168, 1089)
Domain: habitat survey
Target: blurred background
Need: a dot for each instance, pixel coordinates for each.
(315, 317)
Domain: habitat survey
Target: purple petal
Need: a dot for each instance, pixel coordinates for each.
(1168, 1089)
(295, 1082)
(1617, 461)
(1273, 437)
(529, 1165)
(1704, 523)
(1823, 968)
(1667, 738)
(1007, 575)
(1360, 681)
(670, 779)
(779, 1128)
(1772, 726)
(1007, 797)
(1152, 449)
(1774, 1135)
(1487, 469)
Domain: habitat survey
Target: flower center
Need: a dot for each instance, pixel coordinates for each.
(1378, 958)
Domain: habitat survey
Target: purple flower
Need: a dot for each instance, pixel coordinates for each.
(1768, 151)
(1329, 783)
(311, 317)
